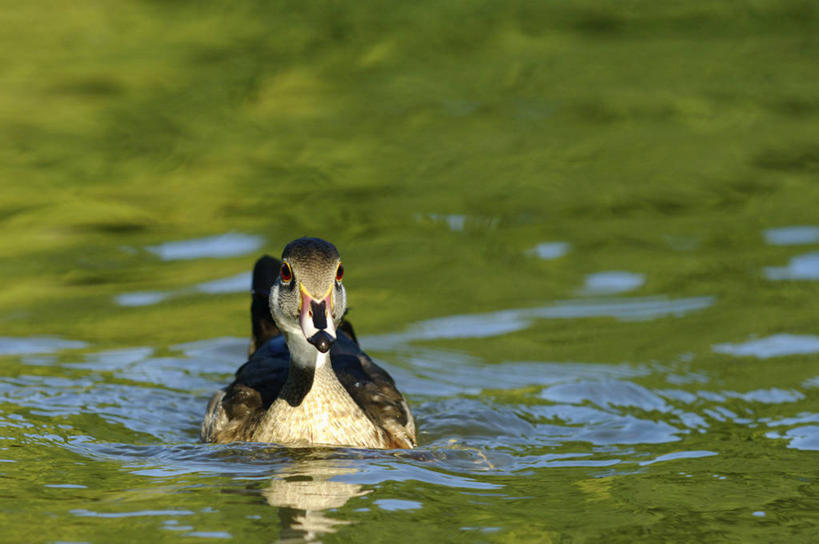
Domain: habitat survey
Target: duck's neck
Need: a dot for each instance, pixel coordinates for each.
(305, 362)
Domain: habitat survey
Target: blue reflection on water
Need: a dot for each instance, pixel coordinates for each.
(800, 438)
(239, 283)
(801, 267)
(792, 236)
(506, 321)
(777, 345)
(36, 344)
(144, 298)
(611, 282)
(234, 284)
(551, 250)
(224, 245)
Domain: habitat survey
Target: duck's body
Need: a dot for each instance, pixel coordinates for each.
(292, 393)
(351, 402)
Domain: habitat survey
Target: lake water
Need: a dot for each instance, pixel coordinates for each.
(582, 238)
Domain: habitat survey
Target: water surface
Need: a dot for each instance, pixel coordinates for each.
(581, 237)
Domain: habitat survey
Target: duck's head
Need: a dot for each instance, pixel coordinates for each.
(308, 299)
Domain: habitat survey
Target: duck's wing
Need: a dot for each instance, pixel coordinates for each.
(234, 412)
(373, 389)
(265, 372)
(263, 328)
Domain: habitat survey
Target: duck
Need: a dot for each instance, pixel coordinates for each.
(307, 382)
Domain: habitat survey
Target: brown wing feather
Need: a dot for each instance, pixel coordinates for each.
(373, 389)
(234, 412)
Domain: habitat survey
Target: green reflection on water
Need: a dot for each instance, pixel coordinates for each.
(660, 139)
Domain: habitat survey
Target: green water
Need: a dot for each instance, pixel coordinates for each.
(559, 223)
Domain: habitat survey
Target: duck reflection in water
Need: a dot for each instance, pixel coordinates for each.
(304, 490)
(307, 381)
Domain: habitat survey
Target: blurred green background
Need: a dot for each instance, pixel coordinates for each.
(621, 128)
(436, 144)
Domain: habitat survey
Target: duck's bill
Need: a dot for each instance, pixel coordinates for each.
(316, 321)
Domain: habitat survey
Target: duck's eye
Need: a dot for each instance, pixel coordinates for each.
(339, 272)
(286, 273)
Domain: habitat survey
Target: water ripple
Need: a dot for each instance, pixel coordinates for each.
(611, 282)
(792, 236)
(476, 418)
(238, 283)
(778, 345)
(507, 321)
(801, 267)
(800, 438)
(605, 394)
(225, 245)
(550, 250)
(679, 455)
(36, 344)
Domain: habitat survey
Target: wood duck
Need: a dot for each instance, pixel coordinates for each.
(307, 381)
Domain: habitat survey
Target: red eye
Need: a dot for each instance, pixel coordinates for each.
(286, 273)
(339, 272)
